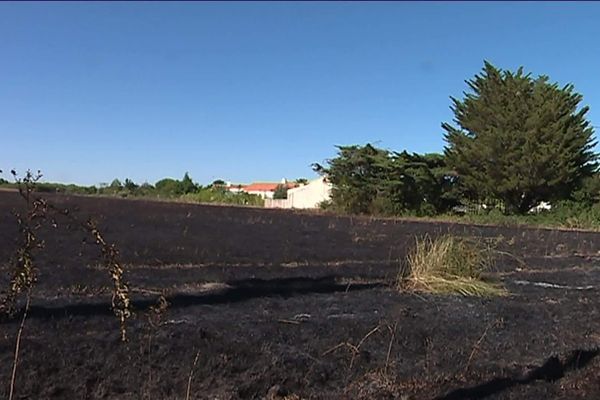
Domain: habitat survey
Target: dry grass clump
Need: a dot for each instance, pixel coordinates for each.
(449, 264)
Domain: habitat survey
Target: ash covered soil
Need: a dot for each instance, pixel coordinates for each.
(283, 305)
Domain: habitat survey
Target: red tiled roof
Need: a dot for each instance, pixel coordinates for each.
(265, 186)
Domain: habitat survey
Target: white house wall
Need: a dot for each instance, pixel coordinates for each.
(307, 196)
(263, 194)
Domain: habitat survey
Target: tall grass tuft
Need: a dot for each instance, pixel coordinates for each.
(449, 264)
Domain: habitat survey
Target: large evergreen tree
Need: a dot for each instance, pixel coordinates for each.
(519, 139)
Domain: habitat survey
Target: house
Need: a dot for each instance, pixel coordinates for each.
(266, 190)
(234, 188)
(305, 196)
(542, 206)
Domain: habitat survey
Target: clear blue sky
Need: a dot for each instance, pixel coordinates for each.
(258, 91)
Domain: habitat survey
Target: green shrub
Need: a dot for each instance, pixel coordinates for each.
(280, 192)
(221, 196)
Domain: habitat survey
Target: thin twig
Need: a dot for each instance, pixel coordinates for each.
(334, 348)
(17, 347)
(372, 331)
(519, 260)
(389, 351)
(418, 296)
(476, 346)
(354, 349)
(357, 348)
(189, 385)
(145, 291)
(287, 321)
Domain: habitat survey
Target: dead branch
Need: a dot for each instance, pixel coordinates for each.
(478, 343)
(18, 346)
(189, 385)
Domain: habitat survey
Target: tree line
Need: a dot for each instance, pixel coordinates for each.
(167, 188)
(515, 141)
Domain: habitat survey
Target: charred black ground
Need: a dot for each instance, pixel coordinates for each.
(277, 304)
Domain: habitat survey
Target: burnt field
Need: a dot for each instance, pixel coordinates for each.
(274, 304)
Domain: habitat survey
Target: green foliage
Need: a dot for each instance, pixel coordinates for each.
(589, 192)
(355, 175)
(116, 185)
(567, 214)
(370, 180)
(420, 184)
(130, 185)
(47, 187)
(219, 195)
(280, 192)
(168, 187)
(185, 190)
(520, 140)
(301, 181)
(145, 190)
(187, 185)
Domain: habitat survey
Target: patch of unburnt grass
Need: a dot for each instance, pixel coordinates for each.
(449, 265)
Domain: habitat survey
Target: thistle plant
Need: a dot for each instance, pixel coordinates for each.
(120, 295)
(23, 270)
(37, 212)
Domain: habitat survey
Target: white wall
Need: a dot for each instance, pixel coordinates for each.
(263, 194)
(278, 203)
(307, 196)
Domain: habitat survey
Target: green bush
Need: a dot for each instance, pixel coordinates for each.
(565, 214)
(280, 192)
(221, 196)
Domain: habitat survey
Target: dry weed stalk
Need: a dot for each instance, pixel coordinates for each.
(355, 350)
(157, 311)
(121, 303)
(389, 350)
(154, 316)
(23, 272)
(189, 384)
(37, 211)
(13, 377)
(23, 276)
(478, 343)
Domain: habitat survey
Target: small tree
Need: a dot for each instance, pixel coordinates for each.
(519, 140)
(168, 187)
(130, 185)
(116, 184)
(187, 185)
(115, 187)
(280, 192)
